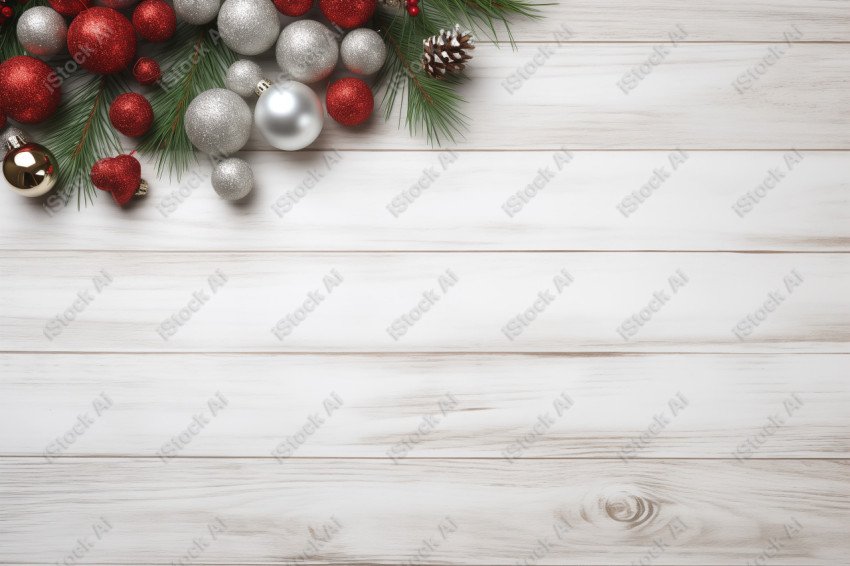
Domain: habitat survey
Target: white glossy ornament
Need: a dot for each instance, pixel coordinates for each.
(248, 27)
(289, 115)
(42, 31)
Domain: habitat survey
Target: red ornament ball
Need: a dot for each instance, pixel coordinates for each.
(154, 20)
(30, 91)
(131, 114)
(293, 8)
(2, 119)
(350, 101)
(102, 40)
(348, 14)
(120, 176)
(146, 71)
(69, 7)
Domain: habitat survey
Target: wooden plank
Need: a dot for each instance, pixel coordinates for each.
(472, 200)
(743, 406)
(704, 20)
(425, 302)
(703, 512)
(585, 96)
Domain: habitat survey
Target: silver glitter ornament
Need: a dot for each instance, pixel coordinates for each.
(248, 27)
(233, 179)
(289, 115)
(197, 12)
(42, 31)
(218, 122)
(307, 51)
(363, 51)
(242, 77)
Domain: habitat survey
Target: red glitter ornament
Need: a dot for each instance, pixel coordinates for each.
(30, 91)
(69, 7)
(146, 71)
(154, 20)
(102, 40)
(348, 14)
(2, 119)
(121, 176)
(293, 8)
(131, 114)
(350, 101)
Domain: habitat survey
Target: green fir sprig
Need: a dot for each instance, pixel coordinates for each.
(193, 61)
(80, 133)
(433, 106)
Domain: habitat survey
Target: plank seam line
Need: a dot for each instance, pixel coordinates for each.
(407, 353)
(425, 251)
(426, 458)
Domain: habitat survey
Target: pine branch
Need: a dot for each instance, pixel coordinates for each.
(433, 105)
(81, 133)
(194, 60)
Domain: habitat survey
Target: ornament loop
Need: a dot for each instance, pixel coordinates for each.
(142, 190)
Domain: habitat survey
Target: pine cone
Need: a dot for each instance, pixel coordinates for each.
(447, 52)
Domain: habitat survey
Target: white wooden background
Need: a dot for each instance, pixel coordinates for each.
(565, 444)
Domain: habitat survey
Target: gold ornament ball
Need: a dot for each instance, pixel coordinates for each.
(30, 169)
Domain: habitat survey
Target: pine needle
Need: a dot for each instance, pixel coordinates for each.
(193, 61)
(80, 133)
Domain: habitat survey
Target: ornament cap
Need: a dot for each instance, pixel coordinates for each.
(262, 86)
(142, 190)
(15, 141)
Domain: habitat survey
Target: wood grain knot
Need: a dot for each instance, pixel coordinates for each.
(633, 510)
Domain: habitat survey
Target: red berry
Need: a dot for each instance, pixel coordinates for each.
(413, 10)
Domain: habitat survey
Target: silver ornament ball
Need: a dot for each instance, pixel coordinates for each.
(307, 51)
(248, 27)
(233, 179)
(218, 122)
(42, 31)
(197, 12)
(242, 77)
(289, 115)
(363, 51)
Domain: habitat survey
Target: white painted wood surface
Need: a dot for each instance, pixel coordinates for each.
(454, 444)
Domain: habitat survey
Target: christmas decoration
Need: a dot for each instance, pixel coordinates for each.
(154, 20)
(131, 114)
(363, 51)
(307, 51)
(348, 14)
(6, 12)
(42, 31)
(350, 101)
(447, 51)
(242, 77)
(103, 40)
(29, 90)
(197, 12)
(293, 8)
(121, 176)
(289, 115)
(233, 179)
(146, 71)
(116, 4)
(2, 119)
(69, 7)
(218, 122)
(413, 8)
(29, 168)
(248, 27)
